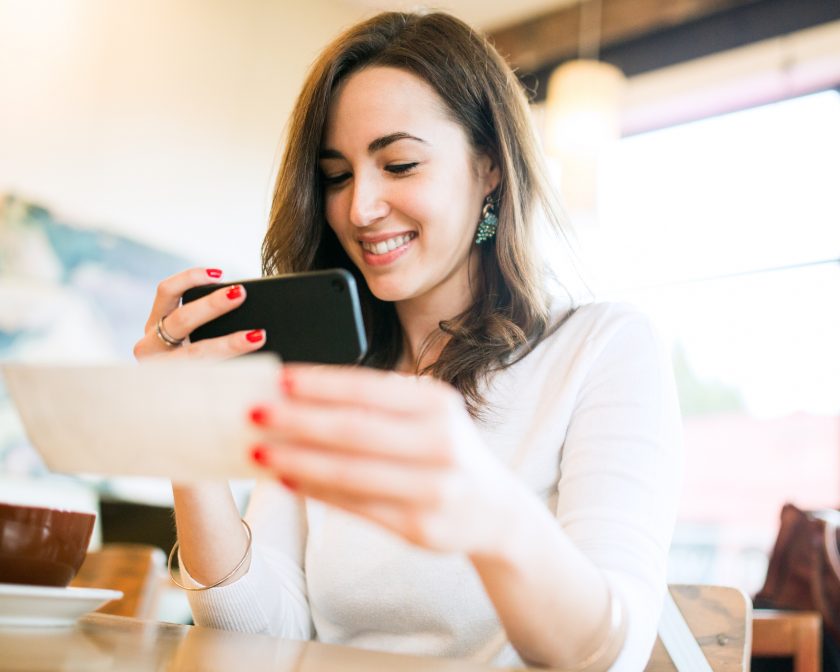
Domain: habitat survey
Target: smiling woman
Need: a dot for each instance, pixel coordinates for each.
(511, 496)
(446, 129)
(404, 205)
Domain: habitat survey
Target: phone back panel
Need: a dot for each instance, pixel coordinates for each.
(308, 317)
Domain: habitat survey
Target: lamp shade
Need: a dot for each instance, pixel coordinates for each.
(583, 107)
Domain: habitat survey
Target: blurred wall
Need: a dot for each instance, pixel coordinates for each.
(157, 118)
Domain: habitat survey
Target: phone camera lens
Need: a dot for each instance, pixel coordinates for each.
(338, 286)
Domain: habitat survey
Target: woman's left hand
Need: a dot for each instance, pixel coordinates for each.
(400, 451)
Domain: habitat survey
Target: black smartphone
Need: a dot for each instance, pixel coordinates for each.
(308, 317)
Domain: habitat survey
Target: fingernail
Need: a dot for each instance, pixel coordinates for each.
(288, 482)
(255, 336)
(259, 454)
(214, 272)
(259, 416)
(234, 292)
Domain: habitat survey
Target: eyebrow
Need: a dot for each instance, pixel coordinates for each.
(374, 146)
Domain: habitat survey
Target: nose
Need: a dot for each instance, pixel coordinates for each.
(369, 204)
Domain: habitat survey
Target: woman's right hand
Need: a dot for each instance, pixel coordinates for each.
(180, 320)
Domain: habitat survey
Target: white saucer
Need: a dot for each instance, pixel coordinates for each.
(44, 606)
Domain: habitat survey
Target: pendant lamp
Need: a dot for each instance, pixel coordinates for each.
(583, 111)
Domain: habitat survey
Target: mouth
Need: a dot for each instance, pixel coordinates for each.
(388, 245)
(383, 252)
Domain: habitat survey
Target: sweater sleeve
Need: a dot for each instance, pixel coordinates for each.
(621, 471)
(271, 598)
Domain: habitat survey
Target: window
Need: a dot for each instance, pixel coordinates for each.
(727, 232)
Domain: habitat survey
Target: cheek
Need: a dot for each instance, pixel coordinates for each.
(335, 214)
(450, 207)
(418, 206)
(434, 202)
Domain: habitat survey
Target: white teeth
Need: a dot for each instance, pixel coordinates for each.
(387, 245)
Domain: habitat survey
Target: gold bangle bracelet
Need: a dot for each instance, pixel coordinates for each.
(608, 649)
(220, 581)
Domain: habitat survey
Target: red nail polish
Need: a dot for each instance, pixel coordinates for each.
(234, 292)
(214, 272)
(259, 416)
(255, 336)
(259, 455)
(288, 482)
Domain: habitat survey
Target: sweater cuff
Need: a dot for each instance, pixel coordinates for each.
(234, 606)
(269, 599)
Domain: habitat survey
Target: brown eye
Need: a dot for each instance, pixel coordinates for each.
(399, 168)
(331, 180)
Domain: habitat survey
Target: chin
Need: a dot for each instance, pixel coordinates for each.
(391, 294)
(391, 290)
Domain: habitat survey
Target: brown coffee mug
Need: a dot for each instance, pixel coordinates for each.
(42, 547)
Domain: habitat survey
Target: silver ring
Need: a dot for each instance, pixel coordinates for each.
(165, 337)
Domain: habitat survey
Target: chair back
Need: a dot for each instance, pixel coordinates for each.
(720, 618)
(789, 634)
(135, 569)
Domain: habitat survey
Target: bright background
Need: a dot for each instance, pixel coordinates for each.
(161, 121)
(727, 231)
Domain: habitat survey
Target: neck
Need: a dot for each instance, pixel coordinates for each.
(420, 327)
(420, 318)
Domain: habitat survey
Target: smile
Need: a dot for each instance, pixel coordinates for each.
(389, 245)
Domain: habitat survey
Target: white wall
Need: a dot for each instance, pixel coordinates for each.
(156, 118)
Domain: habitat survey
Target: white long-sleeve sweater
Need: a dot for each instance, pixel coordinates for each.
(589, 420)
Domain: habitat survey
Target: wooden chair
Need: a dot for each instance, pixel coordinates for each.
(791, 634)
(135, 569)
(720, 619)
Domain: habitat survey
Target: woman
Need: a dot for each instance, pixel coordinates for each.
(512, 496)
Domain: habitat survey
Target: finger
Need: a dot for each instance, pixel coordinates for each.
(356, 431)
(390, 515)
(170, 290)
(223, 347)
(314, 471)
(413, 524)
(362, 387)
(182, 321)
(393, 516)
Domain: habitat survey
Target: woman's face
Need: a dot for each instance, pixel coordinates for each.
(403, 187)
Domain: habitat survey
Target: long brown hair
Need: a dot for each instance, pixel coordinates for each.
(510, 312)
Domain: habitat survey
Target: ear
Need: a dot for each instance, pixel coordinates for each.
(488, 171)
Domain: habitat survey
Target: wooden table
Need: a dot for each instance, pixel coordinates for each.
(106, 642)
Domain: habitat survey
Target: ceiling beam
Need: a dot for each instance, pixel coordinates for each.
(554, 36)
(648, 38)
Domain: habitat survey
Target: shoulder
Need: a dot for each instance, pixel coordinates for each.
(599, 340)
(589, 337)
(593, 326)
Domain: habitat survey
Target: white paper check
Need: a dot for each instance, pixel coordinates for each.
(185, 420)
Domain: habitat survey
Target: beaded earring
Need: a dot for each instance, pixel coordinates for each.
(488, 223)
